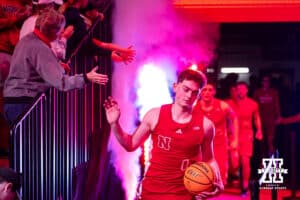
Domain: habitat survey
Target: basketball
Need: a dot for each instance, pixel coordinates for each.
(199, 177)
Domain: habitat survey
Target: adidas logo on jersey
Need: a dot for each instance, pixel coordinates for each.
(178, 131)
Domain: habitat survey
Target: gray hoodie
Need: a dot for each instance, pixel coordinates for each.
(34, 69)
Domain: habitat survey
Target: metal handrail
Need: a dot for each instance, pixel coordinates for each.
(27, 111)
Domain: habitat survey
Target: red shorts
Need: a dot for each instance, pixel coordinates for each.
(221, 156)
(246, 143)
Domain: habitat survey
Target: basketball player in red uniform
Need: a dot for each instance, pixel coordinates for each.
(222, 115)
(178, 136)
(246, 109)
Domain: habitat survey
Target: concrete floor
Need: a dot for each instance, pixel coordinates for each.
(233, 193)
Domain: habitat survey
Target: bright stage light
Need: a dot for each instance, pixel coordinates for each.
(153, 91)
(153, 88)
(238, 70)
(194, 67)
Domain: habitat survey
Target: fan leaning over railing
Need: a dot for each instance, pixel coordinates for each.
(47, 140)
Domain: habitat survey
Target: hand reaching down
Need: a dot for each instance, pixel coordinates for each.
(217, 185)
(129, 51)
(258, 135)
(125, 55)
(204, 195)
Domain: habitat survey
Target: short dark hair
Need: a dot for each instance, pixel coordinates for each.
(211, 82)
(10, 176)
(189, 74)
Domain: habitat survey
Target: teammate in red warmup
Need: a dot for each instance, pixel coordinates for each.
(246, 109)
(223, 116)
(179, 136)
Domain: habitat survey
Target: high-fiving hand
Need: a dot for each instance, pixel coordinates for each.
(125, 55)
(112, 110)
(97, 78)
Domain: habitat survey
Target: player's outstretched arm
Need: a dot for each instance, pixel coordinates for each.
(129, 141)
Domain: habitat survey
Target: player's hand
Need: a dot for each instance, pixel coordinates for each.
(112, 110)
(94, 77)
(233, 144)
(259, 135)
(219, 187)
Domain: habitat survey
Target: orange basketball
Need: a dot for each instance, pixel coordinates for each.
(199, 177)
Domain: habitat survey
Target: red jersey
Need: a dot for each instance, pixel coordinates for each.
(245, 111)
(218, 117)
(174, 147)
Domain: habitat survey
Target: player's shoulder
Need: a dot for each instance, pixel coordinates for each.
(153, 112)
(151, 117)
(251, 102)
(224, 104)
(229, 101)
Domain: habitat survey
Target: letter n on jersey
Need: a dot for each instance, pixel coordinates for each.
(164, 142)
